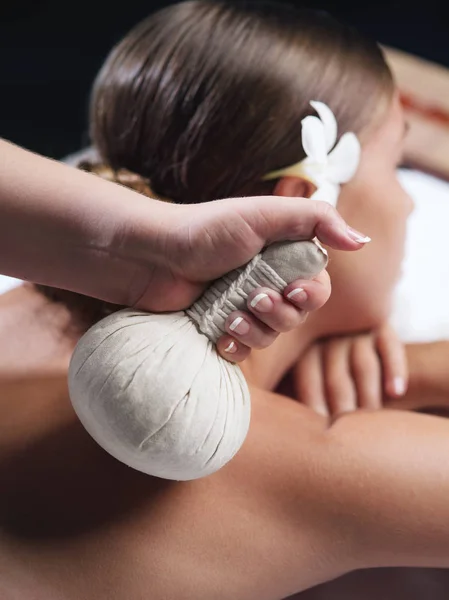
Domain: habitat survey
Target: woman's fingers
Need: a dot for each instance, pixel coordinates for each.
(345, 373)
(309, 381)
(340, 388)
(394, 362)
(367, 372)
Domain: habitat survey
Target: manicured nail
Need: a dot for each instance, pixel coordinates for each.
(399, 386)
(321, 247)
(231, 348)
(358, 237)
(295, 296)
(239, 325)
(262, 303)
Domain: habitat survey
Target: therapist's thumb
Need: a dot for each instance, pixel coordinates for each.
(216, 237)
(276, 218)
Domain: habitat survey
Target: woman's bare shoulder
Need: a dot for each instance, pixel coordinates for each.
(244, 532)
(32, 337)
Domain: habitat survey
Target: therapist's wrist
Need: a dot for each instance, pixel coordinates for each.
(124, 238)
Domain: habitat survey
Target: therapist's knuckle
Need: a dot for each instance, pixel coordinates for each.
(325, 212)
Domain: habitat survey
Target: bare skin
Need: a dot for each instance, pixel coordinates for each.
(306, 500)
(72, 230)
(302, 503)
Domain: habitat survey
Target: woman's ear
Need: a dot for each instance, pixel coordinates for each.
(295, 187)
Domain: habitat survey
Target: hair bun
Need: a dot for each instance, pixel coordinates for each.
(123, 177)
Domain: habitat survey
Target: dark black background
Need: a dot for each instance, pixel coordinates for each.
(50, 52)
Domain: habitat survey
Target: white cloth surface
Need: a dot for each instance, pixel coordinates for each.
(8, 283)
(421, 299)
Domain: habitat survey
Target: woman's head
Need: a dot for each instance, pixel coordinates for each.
(373, 202)
(206, 97)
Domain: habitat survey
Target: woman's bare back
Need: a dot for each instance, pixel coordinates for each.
(300, 504)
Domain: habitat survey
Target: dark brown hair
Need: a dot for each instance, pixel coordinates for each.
(205, 97)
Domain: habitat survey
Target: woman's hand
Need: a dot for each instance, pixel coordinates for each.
(342, 374)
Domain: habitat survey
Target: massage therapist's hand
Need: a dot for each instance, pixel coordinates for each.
(72, 230)
(205, 241)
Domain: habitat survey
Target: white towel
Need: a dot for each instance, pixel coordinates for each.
(421, 300)
(8, 283)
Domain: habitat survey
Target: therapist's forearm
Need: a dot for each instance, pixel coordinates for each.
(62, 227)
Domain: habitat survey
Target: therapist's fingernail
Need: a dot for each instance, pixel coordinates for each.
(297, 295)
(358, 237)
(399, 386)
(232, 348)
(239, 325)
(262, 302)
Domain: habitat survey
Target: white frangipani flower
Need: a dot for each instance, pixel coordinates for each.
(326, 166)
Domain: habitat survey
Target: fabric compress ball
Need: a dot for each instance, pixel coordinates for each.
(154, 393)
(151, 388)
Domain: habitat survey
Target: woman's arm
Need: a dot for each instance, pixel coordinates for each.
(378, 480)
(368, 490)
(389, 478)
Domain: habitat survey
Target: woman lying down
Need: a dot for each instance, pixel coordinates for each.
(207, 100)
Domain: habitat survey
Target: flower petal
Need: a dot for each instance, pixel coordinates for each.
(329, 121)
(344, 159)
(313, 139)
(327, 192)
(313, 172)
(297, 170)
